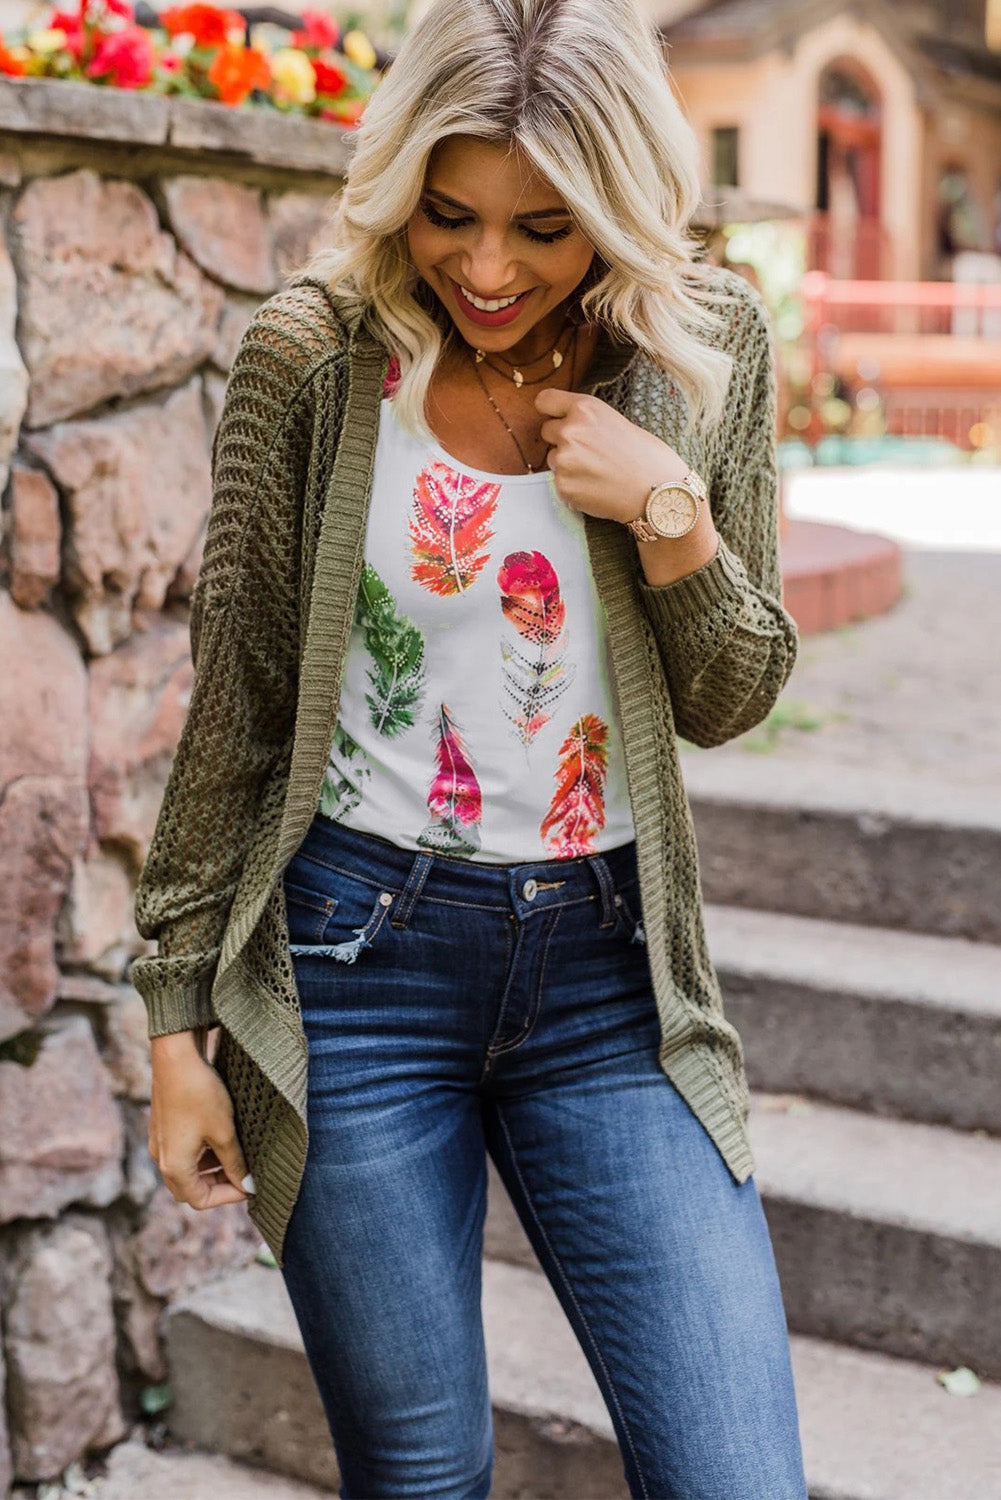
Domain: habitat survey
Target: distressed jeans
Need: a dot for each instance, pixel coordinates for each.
(454, 1009)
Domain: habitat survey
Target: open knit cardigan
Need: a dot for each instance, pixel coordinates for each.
(704, 657)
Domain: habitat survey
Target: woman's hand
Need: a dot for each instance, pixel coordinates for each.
(192, 1135)
(604, 465)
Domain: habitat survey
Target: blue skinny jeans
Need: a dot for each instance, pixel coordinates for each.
(453, 1009)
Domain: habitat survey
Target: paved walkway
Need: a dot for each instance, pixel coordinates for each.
(916, 691)
(940, 508)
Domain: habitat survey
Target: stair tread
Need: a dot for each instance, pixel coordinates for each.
(876, 962)
(919, 1176)
(874, 1427)
(831, 787)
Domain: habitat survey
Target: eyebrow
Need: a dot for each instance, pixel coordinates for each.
(536, 213)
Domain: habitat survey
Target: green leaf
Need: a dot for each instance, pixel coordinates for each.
(154, 1399)
(959, 1382)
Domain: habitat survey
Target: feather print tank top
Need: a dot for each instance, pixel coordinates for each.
(478, 716)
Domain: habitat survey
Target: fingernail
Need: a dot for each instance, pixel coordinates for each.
(248, 1184)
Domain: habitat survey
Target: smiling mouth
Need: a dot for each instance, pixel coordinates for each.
(491, 304)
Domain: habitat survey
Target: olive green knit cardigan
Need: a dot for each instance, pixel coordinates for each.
(704, 657)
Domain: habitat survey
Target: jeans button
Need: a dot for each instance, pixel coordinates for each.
(529, 889)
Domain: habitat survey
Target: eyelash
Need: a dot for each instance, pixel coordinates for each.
(443, 222)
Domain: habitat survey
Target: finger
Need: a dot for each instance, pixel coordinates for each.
(231, 1159)
(189, 1186)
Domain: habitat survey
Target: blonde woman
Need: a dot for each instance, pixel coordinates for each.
(494, 522)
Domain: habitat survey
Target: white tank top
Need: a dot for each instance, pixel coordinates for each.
(478, 715)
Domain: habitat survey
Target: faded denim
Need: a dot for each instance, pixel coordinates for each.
(453, 1009)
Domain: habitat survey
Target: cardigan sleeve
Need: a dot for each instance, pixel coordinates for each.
(244, 647)
(726, 643)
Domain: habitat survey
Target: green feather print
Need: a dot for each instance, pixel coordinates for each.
(347, 768)
(396, 647)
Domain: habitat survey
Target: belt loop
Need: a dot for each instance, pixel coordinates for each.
(606, 884)
(419, 871)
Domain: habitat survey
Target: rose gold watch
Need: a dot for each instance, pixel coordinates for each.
(671, 509)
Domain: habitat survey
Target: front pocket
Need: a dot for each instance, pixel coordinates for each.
(307, 912)
(323, 925)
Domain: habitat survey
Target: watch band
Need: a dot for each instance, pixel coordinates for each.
(640, 525)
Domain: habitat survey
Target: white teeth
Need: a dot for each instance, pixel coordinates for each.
(493, 306)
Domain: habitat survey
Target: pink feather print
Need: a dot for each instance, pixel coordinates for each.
(450, 528)
(392, 378)
(532, 603)
(577, 810)
(454, 800)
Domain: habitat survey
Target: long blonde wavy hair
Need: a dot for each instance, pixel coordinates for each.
(581, 87)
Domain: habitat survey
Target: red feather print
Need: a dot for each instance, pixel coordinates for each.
(454, 800)
(449, 528)
(531, 601)
(577, 810)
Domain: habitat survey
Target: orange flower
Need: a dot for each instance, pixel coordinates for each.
(210, 25)
(13, 66)
(236, 70)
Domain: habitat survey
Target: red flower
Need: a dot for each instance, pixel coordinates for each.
(11, 65)
(329, 78)
(72, 27)
(236, 70)
(319, 31)
(208, 24)
(125, 58)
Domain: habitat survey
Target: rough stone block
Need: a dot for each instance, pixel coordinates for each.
(139, 697)
(34, 536)
(109, 305)
(223, 227)
(138, 489)
(59, 1330)
(62, 1138)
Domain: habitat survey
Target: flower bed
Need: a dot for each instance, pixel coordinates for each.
(202, 51)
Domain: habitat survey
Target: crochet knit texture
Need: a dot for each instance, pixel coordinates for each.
(704, 657)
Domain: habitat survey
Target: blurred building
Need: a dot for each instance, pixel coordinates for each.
(880, 124)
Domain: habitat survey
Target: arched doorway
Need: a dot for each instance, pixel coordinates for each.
(848, 239)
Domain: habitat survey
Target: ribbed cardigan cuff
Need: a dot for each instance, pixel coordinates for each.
(180, 1007)
(722, 581)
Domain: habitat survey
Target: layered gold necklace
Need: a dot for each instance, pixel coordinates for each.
(517, 377)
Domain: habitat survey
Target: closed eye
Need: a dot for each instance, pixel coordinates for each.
(442, 221)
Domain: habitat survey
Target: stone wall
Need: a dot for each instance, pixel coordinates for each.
(138, 235)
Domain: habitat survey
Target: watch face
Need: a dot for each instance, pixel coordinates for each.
(673, 510)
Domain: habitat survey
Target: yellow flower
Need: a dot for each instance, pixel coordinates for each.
(44, 42)
(295, 81)
(358, 49)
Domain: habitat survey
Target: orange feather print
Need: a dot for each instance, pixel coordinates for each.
(450, 528)
(577, 810)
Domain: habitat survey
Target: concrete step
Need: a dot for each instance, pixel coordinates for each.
(874, 1428)
(134, 1470)
(847, 845)
(897, 1022)
(887, 1234)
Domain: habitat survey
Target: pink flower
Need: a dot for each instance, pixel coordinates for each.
(124, 59)
(319, 31)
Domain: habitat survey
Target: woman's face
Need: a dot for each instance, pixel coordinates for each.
(487, 222)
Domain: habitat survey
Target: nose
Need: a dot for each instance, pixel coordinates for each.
(488, 268)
